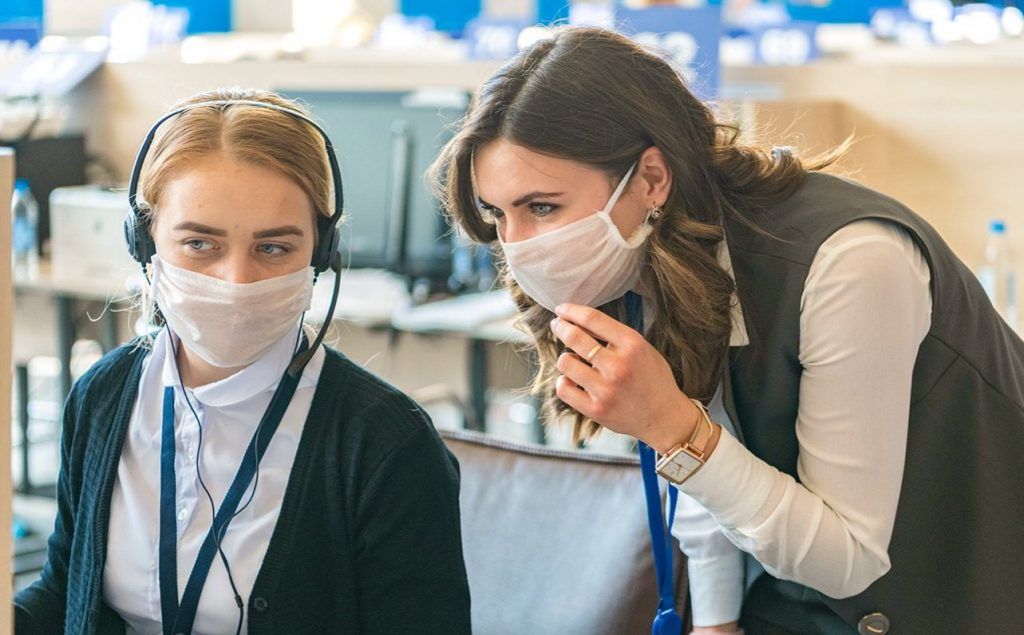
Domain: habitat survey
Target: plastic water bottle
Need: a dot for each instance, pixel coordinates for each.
(24, 229)
(998, 275)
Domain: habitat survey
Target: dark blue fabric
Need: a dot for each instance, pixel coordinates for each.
(667, 621)
(168, 528)
(368, 539)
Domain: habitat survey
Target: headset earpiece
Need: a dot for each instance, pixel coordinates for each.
(137, 236)
(327, 240)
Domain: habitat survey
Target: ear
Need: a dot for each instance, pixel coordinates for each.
(655, 177)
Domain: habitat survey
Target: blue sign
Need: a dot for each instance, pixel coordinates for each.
(686, 37)
(450, 16)
(901, 26)
(204, 16)
(838, 11)
(16, 10)
(21, 31)
(789, 44)
(494, 38)
(552, 11)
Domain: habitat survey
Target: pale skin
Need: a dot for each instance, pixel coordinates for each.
(629, 387)
(235, 221)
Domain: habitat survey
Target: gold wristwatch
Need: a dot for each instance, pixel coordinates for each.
(683, 461)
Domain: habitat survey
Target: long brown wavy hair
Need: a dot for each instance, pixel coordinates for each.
(596, 97)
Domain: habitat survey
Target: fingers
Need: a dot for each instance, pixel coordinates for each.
(581, 373)
(578, 340)
(570, 392)
(601, 325)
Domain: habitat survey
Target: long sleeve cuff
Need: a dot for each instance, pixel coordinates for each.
(716, 588)
(734, 485)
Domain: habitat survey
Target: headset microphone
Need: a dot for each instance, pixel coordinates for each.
(299, 362)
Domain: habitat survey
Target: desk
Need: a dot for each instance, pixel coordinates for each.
(378, 299)
(479, 317)
(65, 290)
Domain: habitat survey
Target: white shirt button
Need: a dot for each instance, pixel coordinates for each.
(182, 514)
(191, 451)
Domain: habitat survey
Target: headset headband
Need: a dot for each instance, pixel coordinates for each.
(327, 239)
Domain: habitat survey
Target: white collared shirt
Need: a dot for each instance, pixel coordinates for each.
(865, 309)
(229, 410)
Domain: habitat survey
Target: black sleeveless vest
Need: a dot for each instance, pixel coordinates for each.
(957, 548)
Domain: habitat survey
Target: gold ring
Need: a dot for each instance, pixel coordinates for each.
(593, 353)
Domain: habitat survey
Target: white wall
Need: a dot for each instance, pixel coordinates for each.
(73, 17)
(262, 15)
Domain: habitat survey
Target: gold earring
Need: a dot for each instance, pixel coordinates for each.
(655, 212)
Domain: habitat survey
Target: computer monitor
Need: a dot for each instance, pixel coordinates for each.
(385, 142)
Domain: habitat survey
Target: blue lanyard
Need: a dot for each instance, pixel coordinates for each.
(179, 618)
(667, 621)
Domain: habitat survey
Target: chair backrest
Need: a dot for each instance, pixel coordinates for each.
(555, 541)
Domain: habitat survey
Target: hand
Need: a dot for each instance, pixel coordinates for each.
(627, 387)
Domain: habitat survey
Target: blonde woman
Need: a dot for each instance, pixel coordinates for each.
(235, 475)
(860, 464)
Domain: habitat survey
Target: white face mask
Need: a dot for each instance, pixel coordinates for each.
(585, 262)
(227, 324)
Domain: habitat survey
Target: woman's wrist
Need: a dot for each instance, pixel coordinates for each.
(671, 434)
(675, 427)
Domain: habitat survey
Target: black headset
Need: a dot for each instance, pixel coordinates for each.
(137, 222)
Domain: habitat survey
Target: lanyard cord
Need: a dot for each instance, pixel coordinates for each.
(667, 620)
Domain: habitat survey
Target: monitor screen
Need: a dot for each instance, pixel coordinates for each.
(385, 141)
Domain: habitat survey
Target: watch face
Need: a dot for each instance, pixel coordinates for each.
(681, 465)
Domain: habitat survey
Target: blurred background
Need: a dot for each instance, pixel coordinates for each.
(932, 89)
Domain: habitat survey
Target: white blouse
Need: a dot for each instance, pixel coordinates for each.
(865, 309)
(229, 410)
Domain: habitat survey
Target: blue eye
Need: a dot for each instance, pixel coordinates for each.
(273, 249)
(542, 209)
(198, 244)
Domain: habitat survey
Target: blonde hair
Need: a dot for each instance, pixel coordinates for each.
(252, 134)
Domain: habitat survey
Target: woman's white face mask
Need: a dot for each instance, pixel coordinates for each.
(586, 262)
(227, 324)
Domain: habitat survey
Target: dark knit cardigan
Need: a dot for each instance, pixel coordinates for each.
(368, 538)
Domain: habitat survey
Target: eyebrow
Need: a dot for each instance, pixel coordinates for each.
(287, 230)
(199, 227)
(526, 198)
